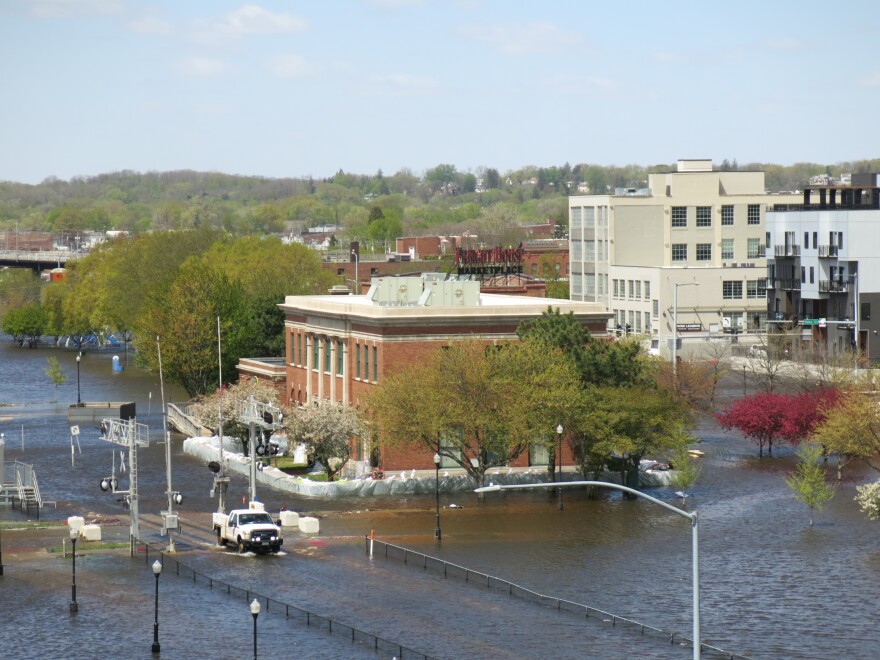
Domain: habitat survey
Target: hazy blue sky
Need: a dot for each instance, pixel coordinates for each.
(296, 88)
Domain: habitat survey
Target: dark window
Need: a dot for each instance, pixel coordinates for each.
(679, 216)
(754, 214)
(704, 216)
(865, 313)
(679, 251)
(727, 215)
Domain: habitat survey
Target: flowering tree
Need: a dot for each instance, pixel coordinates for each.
(759, 417)
(868, 498)
(326, 430)
(852, 428)
(806, 411)
(232, 401)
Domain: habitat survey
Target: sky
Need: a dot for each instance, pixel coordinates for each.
(295, 88)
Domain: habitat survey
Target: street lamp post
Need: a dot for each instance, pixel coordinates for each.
(675, 327)
(78, 358)
(157, 569)
(695, 543)
(856, 312)
(74, 532)
(255, 612)
(437, 534)
(357, 281)
(559, 442)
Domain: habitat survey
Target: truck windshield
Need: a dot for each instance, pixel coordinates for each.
(253, 518)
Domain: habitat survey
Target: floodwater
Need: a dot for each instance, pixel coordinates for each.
(771, 587)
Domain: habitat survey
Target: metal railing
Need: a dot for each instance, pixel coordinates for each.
(787, 250)
(179, 419)
(291, 612)
(827, 251)
(833, 286)
(450, 570)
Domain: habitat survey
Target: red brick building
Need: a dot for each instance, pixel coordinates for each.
(340, 347)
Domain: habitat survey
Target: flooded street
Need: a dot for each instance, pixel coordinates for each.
(771, 587)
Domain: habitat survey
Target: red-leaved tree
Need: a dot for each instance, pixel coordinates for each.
(806, 411)
(759, 417)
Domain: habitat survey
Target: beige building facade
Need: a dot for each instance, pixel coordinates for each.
(696, 235)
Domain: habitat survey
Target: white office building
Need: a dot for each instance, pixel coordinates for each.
(694, 234)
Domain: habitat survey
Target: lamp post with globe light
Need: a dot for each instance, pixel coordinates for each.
(437, 534)
(255, 612)
(157, 570)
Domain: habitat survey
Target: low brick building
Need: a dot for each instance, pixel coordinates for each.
(340, 347)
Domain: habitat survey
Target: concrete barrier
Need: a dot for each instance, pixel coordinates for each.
(308, 525)
(90, 532)
(289, 519)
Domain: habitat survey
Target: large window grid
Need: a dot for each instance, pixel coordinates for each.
(732, 289)
(704, 216)
(704, 251)
(679, 251)
(727, 248)
(756, 289)
(754, 248)
(754, 214)
(679, 217)
(727, 215)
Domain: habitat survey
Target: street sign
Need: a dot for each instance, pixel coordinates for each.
(74, 430)
(810, 322)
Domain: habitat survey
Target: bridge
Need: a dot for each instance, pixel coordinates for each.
(36, 260)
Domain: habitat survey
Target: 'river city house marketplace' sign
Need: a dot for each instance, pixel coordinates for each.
(490, 261)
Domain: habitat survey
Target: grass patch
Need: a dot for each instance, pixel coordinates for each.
(286, 464)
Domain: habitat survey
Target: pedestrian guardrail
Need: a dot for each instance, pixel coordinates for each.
(290, 612)
(454, 571)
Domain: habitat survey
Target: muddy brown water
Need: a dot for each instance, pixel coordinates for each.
(771, 586)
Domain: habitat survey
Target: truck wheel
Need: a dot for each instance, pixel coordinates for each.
(241, 546)
(220, 540)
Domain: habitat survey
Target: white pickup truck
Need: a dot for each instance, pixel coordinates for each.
(250, 529)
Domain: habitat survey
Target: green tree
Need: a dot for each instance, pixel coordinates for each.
(26, 324)
(478, 405)
(55, 373)
(686, 469)
(851, 429)
(808, 479)
(618, 426)
(186, 320)
(327, 431)
(599, 362)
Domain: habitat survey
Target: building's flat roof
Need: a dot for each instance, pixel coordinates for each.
(490, 305)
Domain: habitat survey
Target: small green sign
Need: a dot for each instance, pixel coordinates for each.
(810, 322)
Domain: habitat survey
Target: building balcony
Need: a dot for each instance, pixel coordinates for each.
(788, 285)
(833, 286)
(827, 251)
(787, 250)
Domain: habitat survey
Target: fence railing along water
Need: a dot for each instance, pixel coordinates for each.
(454, 571)
(293, 613)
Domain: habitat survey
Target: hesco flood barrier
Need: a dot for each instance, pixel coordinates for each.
(291, 612)
(454, 571)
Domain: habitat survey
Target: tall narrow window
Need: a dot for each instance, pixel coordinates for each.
(327, 355)
(727, 215)
(357, 360)
(366, 362)
(754, 214)
(375, 364)
(316, 364)
(340, 357)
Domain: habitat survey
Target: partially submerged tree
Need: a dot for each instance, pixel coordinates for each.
(851, 429)
(808, 479)
(868, 498)
(686, 469)
(55, 373)
(759, 417)
(26, 324)
(327, 431)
